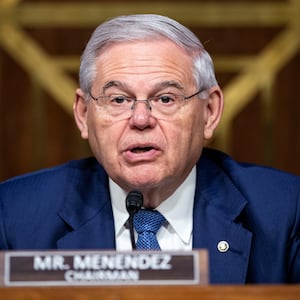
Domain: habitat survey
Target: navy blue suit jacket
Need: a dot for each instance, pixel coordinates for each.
(255, 209)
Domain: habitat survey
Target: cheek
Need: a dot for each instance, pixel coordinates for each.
(103, 138)
(186, 139)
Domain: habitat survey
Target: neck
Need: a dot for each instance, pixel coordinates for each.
(154, 196)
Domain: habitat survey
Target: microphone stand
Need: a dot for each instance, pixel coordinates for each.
(134, 202)
(131, 231)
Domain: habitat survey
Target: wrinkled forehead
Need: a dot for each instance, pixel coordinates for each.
(160, 60)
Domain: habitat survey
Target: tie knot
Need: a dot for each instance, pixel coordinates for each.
(148, 220)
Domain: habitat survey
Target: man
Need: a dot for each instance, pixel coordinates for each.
(147, 103)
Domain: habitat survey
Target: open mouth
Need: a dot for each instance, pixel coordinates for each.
(141, 149)
(137, 153)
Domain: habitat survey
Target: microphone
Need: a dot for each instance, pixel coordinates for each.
(134, 202)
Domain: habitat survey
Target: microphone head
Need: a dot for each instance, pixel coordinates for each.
(134, 201)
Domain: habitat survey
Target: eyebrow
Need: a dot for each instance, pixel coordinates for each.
(158, 86)
(169, 83)
(111, 84)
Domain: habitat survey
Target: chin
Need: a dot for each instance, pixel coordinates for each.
(142, 181)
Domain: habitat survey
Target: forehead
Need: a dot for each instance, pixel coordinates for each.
(144, 60)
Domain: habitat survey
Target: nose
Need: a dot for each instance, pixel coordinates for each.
(146, 101)
(141, 117)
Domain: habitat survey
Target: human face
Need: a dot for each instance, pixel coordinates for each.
(144, 152)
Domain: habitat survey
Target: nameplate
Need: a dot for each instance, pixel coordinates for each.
(65, 268)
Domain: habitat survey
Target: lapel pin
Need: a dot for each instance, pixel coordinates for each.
(223, 246)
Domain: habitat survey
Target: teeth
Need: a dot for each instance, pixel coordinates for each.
(141, 150)
(138, 150)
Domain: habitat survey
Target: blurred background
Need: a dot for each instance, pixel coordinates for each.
(255, 45)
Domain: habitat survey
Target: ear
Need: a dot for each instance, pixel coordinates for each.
(213, 108)
(80, 111)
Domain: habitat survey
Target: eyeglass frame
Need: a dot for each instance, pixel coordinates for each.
(147, 101)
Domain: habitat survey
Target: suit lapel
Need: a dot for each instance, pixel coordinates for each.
(217, 208)
(87, 212)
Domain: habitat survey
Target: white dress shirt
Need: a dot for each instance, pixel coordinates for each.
(176, 233)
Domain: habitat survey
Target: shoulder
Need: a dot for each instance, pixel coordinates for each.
(49, 181)
(246, 172)
(271, 196)
(76, 166)
(264, 188)
(30, 204)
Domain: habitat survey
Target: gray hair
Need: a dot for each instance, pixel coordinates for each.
(141, 27)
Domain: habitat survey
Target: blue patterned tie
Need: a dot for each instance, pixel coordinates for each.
(147, 223)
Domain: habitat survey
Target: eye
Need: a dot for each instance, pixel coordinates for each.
(166, 98)
(119, 99)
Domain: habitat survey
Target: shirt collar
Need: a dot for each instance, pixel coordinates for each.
(177, 209)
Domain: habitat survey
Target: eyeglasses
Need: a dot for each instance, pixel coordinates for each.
(161, 106)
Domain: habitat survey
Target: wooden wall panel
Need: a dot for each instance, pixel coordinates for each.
(287, 118)
(37, 132)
